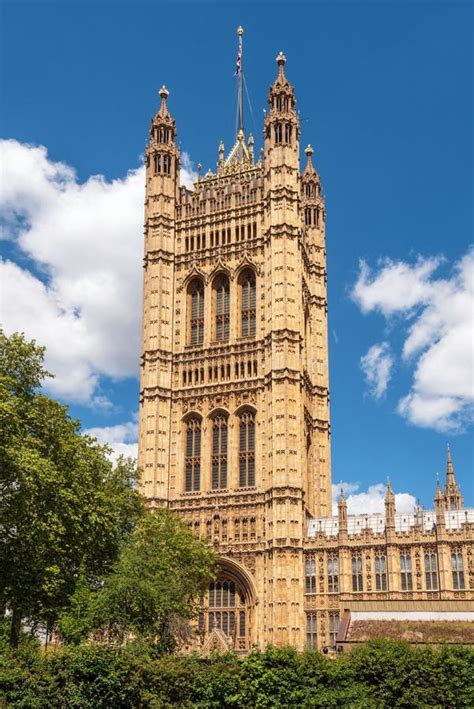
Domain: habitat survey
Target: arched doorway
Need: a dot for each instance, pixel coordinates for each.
(228, 606)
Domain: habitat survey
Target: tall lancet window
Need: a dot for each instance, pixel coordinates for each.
(221, 308)
(196, 311)
(248, 304)
(247, 449)
(219, 452)
(193, 455)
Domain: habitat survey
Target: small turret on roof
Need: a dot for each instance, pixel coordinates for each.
(452, 492)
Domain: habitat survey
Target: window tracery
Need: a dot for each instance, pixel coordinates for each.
(192, 459)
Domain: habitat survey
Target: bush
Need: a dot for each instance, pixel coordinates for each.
(377, 674)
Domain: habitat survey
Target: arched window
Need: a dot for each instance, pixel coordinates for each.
(457, 565)
(333, 574)
(357, 580)
(247, 449)
(431, 572)
(221, 308)
(307, 216)
(192, 460)
(247, 304)
(380, 572)
(288, 132)
(406, 571)
(278, 133)
(219, 452)
(196, 312)
(157, 161)
(227, 609)
(166, 164)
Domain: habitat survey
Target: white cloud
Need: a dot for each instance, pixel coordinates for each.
(376, 365)
(370, 501)
(122, 438)
(86, 241)
(436, 316)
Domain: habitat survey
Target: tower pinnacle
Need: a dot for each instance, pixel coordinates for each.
(452, 493)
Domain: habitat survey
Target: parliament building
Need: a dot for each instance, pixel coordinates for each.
(234, 412)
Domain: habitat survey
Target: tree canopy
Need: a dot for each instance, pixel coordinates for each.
(63, 506)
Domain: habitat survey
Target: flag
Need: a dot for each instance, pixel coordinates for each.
(238, 63)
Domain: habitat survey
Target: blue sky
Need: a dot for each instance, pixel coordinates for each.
(385, 95)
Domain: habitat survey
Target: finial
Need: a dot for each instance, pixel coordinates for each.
(221, 150)
(199, 168)
(281, 59)
(309, 151)
(251, 140)
(449, 454)
(164, 93)
(240, 30)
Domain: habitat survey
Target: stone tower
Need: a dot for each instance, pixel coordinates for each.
(234, 416)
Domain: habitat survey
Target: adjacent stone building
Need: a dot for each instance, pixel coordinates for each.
(234, 414)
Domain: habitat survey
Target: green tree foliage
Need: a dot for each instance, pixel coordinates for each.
(99, 676)
(152, 590)
(63, 506)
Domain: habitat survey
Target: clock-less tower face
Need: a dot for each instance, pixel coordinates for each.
(234, 416)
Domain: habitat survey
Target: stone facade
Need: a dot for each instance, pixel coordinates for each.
(234, 410)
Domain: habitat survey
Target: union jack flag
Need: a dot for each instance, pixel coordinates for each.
(238, 63)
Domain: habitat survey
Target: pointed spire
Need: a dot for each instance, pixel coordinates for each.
(342, 512)
(449, 468)
(281, 61)
(163, 93)
(452, 492)
(389, 495)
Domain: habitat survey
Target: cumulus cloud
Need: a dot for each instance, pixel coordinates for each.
(376, 365)
(121, 438)
(80, 293)
(371, 500)
(436, 317)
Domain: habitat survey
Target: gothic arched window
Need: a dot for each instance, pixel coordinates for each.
(307, 216)
(288, 132)
(247, 449)
(247, 304)
(227, 609)
(219, 451)
(457, 565)
(380, 572)
(221, 308)
(166, 164)
(192, 460)
(357, 579)
(196, 312)
(278, 133)
(431, 572)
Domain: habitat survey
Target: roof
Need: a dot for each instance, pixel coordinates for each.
(415, 631)
(329, 526)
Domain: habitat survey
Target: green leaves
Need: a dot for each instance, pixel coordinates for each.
(135, 676)
(154, 586)
(63, 506)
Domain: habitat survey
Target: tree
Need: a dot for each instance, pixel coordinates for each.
(64, 506)
(153, 590)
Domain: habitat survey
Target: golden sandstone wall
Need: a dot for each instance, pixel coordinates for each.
(234, 411)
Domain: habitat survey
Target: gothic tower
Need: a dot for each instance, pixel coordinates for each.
(234, 415)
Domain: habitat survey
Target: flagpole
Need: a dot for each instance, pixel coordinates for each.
(240, 32)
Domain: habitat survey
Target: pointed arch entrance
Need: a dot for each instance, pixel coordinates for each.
(229, 606)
